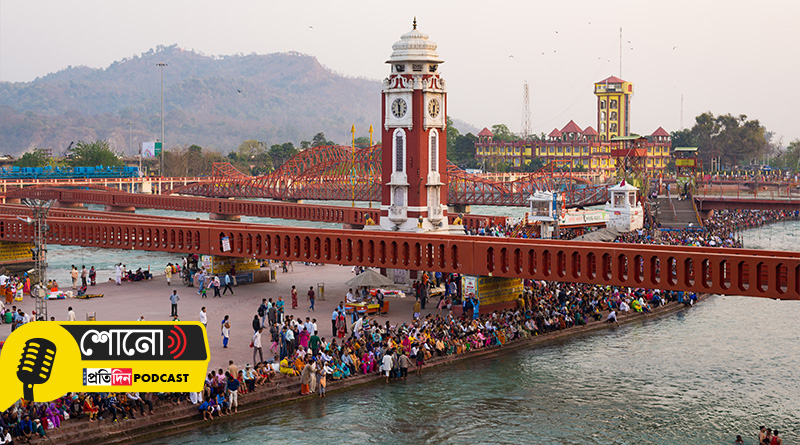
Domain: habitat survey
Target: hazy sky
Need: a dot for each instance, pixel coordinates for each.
(739, 57)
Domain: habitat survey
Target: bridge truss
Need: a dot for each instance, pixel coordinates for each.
(343, 174)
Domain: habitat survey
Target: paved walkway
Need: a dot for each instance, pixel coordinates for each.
(151, 298)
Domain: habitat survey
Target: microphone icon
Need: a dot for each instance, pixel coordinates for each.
(35, 365)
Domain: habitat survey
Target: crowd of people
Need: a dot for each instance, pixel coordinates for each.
(26, 420)
(722, 229)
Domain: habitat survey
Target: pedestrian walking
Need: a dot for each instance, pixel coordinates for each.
(204, 317)
(256, 323)
(272, 313)
(294, 298)
(174, 298)
(225, 331)
(71, 314)
(118, 274)
(228, 284)
(257, 346)
(84, 275)
(168, 273)
(311, 297)
(216, 284)
(262, 311)
(201, 284)
(93, 276)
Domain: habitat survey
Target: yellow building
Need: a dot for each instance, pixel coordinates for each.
(613, 107)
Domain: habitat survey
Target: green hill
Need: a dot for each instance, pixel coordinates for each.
(215, 102)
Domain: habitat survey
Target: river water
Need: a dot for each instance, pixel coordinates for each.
(700, 376)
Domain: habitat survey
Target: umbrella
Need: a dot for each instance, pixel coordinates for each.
(369, 278)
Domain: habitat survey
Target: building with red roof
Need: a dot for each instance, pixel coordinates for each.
(590, 148)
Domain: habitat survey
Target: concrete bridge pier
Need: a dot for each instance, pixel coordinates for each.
(455, 209)
(223, 217)
(123, 209)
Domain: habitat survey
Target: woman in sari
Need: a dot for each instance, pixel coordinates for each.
(305, 381)
(299, 364)
(302, 338)
(367, 363)
(336, 372)
(341, 326)
(286, 369)
(8, 292)
(89, 408)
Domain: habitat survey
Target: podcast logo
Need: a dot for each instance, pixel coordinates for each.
(107, 376)
(51, 358)
(36, 364)
(139, 342)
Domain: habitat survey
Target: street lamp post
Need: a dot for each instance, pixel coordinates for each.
(162, 65)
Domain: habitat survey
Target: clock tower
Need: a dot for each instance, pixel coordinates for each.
(414, 140)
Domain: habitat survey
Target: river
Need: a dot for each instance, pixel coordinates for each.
(700, 376)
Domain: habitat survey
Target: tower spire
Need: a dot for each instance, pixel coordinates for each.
(415, 22)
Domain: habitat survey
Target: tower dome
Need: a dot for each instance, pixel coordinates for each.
(414, 46)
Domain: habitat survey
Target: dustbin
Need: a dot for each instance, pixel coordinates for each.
(321, 291)
(272, 275)
(91, 316)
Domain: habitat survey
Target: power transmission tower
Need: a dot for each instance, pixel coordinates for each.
(526, 112)
(39, 208)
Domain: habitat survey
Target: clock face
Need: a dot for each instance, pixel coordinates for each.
(433, 108)
(399, 108)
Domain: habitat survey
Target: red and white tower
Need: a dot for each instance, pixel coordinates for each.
(414, 153)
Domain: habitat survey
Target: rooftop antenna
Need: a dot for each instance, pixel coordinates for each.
(526, 112)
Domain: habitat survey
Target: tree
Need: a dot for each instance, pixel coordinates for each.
(535, 164)
(790, 158)
(362, 141)
(502, 133)
(463, 153)
(503, 167)
(89, 154)
(251, 149)
(252, 157)
(682, 138)
(452, 135)
(735, 140)
(280, 153)
(319, 140)
(35, 158)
